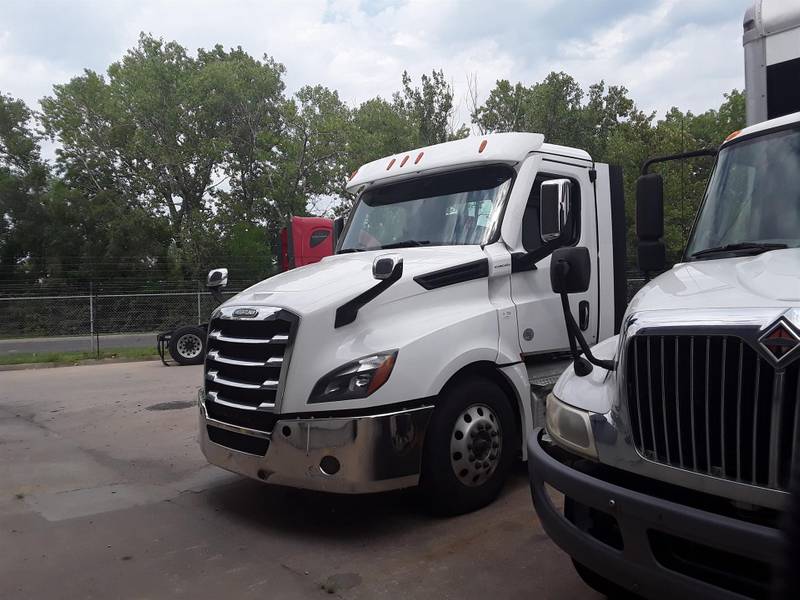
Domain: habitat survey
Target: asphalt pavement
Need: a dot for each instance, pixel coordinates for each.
(104, 493)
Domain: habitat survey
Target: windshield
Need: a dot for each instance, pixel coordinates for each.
(450, 209)
(753, 197)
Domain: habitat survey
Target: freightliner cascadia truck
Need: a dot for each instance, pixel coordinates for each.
(412, 356)
(672, 444)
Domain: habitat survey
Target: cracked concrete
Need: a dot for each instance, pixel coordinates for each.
(101, 497)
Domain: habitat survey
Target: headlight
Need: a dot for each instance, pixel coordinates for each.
(570, 427)
(357, 379)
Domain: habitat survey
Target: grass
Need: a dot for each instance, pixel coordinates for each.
(75, 357)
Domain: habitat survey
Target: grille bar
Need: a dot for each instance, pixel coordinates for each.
(275, 339)
(217, 356)
(215, 377)
(796, 429)
(215, 397)
(739, 414)
(722, 402)
(713, 404)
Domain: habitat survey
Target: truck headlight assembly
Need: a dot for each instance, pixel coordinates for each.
(570, 427)
(357, 379)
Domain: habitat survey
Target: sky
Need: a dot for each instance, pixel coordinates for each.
(683, 53)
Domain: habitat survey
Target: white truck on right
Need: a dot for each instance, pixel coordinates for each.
(673, 444)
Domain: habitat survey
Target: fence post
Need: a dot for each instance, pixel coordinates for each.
(91, 317)
(199, 318)
(96, 329)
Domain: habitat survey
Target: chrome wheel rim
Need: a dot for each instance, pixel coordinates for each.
(189, 345)
(475, 445)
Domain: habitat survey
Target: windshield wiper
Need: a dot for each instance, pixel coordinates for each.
(405, 244)
(746, 247)
(346, 250)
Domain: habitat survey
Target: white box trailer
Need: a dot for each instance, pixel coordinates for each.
(772, 59)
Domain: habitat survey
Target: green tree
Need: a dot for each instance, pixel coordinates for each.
(156, 127)
(23, 180)
(377, 129)
(504, 110)
(430, 108)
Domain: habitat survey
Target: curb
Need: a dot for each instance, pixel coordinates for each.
(79, 363)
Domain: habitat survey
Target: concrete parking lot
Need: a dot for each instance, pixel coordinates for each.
(104, 493)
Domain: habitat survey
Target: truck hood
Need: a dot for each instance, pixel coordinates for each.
(771, 279)
(339, 278)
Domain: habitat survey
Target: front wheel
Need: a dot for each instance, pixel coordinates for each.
(471, 443)
(187, 345)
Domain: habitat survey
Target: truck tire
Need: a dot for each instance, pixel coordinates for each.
(470, 446)
(187, 345)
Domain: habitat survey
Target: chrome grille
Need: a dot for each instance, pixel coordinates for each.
(245, 366)
(714, 405)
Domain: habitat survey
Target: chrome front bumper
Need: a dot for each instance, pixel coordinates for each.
(349, 455)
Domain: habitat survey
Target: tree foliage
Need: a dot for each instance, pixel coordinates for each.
(171, 162)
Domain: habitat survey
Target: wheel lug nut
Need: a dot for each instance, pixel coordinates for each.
(495, 445)
(494, 434)
(471, 458)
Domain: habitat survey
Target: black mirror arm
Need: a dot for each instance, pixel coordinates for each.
(216, 293)
(575, 333)
(582, 364)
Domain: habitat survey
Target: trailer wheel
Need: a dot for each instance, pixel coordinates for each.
(470, 445)
(187, 345)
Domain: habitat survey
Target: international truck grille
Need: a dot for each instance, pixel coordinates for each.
(713, 405)
(245, 366)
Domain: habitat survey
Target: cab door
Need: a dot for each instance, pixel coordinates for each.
(540, 320)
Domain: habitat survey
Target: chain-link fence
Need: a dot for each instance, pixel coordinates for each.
(94, 315)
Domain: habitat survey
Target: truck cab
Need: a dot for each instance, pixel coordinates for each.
(673, 453)
(406, 358)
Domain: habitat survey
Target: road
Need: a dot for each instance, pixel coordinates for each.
(79, 343)
(104, 493)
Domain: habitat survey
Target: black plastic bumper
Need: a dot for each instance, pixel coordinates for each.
(639, 516)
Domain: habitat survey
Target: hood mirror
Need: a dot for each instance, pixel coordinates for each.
(388, 266)
(217, 279)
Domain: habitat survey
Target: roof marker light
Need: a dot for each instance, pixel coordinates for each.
(391, 164)
(482, 147)
(405, 160)
(419, 158)
(733, 135)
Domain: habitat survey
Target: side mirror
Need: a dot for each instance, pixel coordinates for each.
(570, 273)
(570, 270)
(554, 208)
(387, 267)
(650, 222)
(217, 279)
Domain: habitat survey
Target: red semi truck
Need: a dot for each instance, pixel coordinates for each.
(304, 241)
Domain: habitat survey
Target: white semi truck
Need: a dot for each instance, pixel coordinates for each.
(409, 357)
(673, 445)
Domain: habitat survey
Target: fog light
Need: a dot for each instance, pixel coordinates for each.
(570, 427)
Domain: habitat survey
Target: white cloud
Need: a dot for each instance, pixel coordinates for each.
(667, 52)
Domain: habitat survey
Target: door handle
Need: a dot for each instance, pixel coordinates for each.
(583, 315)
